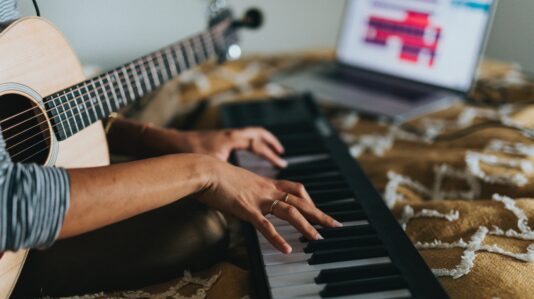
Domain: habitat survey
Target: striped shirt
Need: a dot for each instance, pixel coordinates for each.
(8, 10)
(33, 199)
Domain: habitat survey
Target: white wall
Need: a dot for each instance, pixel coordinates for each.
(512, 37)
(111, 32)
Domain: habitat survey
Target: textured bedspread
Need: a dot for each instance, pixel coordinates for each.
(459, 181)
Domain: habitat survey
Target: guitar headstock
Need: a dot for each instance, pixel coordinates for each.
(225, 27)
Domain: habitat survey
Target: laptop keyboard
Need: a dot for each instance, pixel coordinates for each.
(349, 77)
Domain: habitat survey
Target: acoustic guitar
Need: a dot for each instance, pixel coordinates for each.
(50, 113)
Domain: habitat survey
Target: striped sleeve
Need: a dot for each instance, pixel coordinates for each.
(8, 10)
(33, 202)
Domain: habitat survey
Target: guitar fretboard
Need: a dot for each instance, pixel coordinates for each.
(81, 105)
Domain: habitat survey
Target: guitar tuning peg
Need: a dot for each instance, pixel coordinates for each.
(253, 19)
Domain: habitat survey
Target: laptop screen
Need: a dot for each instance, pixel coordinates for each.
(431, 41)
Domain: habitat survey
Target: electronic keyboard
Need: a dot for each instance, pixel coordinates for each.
(369, 257)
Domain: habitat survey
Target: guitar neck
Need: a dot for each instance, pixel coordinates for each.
(81, 105)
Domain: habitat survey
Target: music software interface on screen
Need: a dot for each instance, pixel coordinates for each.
(432, 41)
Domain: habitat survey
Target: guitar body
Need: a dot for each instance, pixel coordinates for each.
(35, 55)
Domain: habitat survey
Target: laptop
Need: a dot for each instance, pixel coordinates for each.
(401, 59)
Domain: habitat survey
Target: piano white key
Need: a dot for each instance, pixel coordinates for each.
(287, 236)
(268, 249)
(297, 291)
(306, 158)
(311, 291)
(293, 279)
(288, 232)
(276, 259)
(281, 222)
(263, 167)
(301, 267)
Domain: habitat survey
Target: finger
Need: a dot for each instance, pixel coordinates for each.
(271, 140)
(266, 152)
(296, 189)
(292, 215)
(312, 213)
(266, 136)
(267, 229)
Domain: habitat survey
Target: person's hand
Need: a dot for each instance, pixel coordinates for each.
(250, 197)
(221, 143)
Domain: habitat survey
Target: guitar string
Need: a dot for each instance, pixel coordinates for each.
(213, 32)
(130, 75)
(54, 126)
(90, 107)
(144, 60)
(102, 87)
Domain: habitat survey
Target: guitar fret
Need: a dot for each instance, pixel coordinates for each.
(91, 101)
(181, 58)
(97, 101)
(166, 64)
(209, 44)
(103, 88)
(63, 112)
(73, 105)
(112, 87)
(56, 103)
(137, 83)
(52, 104)
(189, 53)
(172, 62)
(197, 44)
(81, 118)
(116, 80)
(153, 71)
(163, 69)
(67, 111)
(148, 85)
(128, 85)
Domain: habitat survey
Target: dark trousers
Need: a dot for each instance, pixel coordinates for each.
(147, 249)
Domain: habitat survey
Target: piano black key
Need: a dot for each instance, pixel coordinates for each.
(346, 254)
(349, 215)
(301, 140)
(314, 178)
(329, 207)
(309, 139)
(356, 272)
(338, 243)
(360, 286)
(290, 128)
(345, 231)
(330, 195)
(326, 185)
(320, 166)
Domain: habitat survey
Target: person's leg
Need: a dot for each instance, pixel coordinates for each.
(143, 250)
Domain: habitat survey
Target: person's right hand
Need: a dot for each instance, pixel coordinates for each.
(249, 197)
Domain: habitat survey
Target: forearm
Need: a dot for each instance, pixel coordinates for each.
(105, 195)
(138, 139)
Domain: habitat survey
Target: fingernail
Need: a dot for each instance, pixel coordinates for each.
(318, 237)
(283, 163)
(337, 224)
(287, 249)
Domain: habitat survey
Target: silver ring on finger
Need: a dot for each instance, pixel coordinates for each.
(273, 205)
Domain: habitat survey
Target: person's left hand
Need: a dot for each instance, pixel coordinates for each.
(220, 143)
